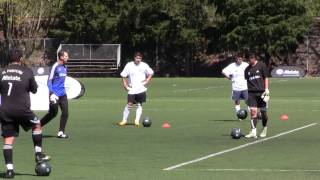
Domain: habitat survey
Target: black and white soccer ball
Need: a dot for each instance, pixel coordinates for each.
(146, 122)
(43, 169)
(242, 114)
(236, 133)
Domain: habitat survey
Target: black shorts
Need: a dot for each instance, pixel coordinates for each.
(10, 122)
(255, 100)
(137, 98)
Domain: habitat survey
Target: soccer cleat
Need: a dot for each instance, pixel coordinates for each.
(122, 123)
(252, 134)
(41, 157)
(9, 174)
(240, 120)
(62, 135)
(136, 123)
(264, 132)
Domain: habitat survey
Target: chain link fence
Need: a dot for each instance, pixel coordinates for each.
(308, 55)
(37, 52)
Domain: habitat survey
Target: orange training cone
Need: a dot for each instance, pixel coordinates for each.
(166, 125)
(284, 117)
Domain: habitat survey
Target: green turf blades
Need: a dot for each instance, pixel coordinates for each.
(201, 115)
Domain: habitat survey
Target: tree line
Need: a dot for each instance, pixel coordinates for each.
(176, 36)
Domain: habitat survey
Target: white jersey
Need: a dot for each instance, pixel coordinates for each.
(239, 83)
(136, 74)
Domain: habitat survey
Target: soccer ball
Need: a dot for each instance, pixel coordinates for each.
(236, 133)
(242, 114)
(146, 122)
(43, 169)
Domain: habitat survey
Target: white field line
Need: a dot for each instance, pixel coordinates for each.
(236, 148)
(197, 89)
(259, 170)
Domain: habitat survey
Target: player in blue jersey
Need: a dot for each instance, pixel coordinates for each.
(57, 93)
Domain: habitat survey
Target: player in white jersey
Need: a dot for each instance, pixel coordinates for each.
(136, 75)
(235, 73)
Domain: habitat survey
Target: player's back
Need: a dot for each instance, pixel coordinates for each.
(16, 83)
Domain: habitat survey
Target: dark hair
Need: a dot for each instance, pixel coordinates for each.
(239, 54)
(253, 55)
(137, 54)
(15, 55)
(61, 53)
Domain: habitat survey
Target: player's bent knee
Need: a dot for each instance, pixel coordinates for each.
(253, 112)
(37, 127)
(9, 140)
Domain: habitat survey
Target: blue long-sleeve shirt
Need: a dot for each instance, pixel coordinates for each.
(56, 80)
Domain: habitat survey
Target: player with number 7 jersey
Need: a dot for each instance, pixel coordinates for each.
(16, 83)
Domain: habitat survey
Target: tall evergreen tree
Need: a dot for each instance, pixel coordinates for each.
(270, 26)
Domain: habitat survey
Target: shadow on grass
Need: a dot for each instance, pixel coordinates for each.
(2, 174)
(48, 136)
(128, 124)
(225, 120)
(241, 136)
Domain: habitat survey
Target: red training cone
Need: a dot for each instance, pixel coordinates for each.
(284, 117)
(166, 125)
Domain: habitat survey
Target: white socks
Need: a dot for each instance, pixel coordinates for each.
(237, 108)
(138, 112)
(37, 149)
(126, 112)
(9, 166)
(127, 109)
(254, 131)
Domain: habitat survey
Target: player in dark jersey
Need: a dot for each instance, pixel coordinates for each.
(256, 75)
(57, 94)
(16, 83)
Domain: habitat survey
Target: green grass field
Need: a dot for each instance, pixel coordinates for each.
(201, 115)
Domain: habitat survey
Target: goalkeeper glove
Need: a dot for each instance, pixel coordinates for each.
(266, 95)
(54, 98)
